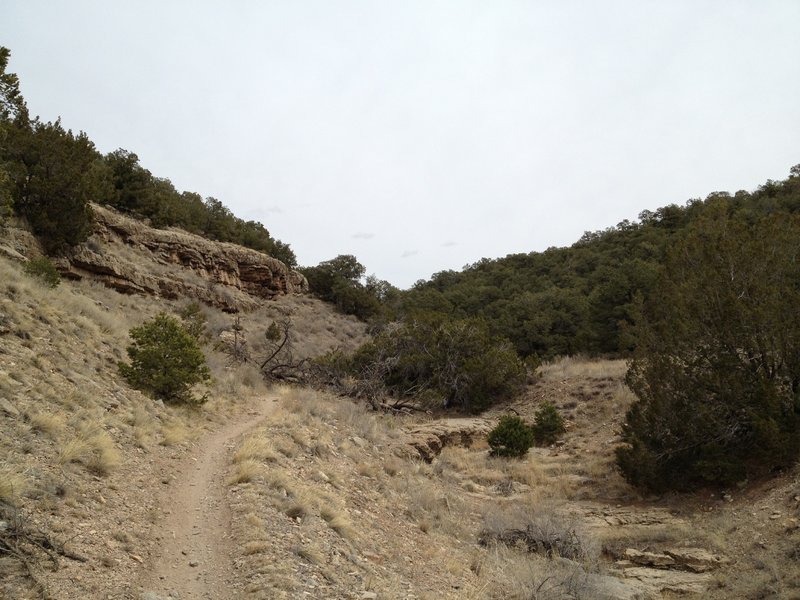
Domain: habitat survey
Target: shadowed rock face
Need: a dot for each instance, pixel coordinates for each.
(131, 257)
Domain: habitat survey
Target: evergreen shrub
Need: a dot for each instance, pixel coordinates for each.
(166, 361)
(511, 438)
(43, 268)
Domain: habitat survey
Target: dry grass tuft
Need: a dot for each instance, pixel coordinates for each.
(74, 450)
(287, 448)
(245, 471)
(174, 432)
(256, 447)
(296, 510)
(105, 457)
(310, 554)
(342, 525)
(48, 423)
(93, 448)
(255, 547)
(393, 466)
(13, 485)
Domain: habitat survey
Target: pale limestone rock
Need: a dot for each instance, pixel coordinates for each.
(664, 580)
(649, 559)
(698, 560)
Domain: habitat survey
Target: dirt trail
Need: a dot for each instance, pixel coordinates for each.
(195, 560)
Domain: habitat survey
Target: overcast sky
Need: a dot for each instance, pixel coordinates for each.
(424, 135)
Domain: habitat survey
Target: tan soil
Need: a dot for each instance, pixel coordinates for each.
(195, 559)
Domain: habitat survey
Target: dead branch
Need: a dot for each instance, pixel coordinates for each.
(28, 545)
(565, 544)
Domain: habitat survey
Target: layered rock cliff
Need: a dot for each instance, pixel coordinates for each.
(130, 256)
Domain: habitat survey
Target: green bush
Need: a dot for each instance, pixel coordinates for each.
(339, 281)
(43, 268)
(165, 361)
(511, 438)
(717, 365)
(51, 181)
(548, 424)
(195, 321)
(458, 361)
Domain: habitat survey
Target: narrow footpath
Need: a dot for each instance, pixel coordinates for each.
(195, 558)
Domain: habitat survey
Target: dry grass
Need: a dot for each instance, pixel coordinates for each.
(339, 523)
(575, 367)
(296, 510)
(13, 485)
(257, 448)
(245, 471)
(255, 547)
(174, 432)
(144, 426)
(58, 367)
(48, 423)
(309, 553)
(93, 448)
(74, 450)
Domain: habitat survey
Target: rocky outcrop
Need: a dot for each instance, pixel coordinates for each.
(674, 582)
(674, 570)
(131, 257)
(696, 560)
(427, 441)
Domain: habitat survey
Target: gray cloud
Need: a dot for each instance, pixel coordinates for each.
(409, 253)
(363, 235)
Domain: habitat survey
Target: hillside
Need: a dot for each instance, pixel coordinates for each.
(582, 299)
(286, 492)
(80, 449)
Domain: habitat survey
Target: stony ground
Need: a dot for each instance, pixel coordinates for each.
(289, 493)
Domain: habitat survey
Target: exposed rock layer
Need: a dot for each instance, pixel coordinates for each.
(427, 441)
(129, 256)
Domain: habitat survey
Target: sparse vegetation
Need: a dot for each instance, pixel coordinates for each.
(13, 485)
(328, 485)
(93, 448)
(23, 543)
(543, 531)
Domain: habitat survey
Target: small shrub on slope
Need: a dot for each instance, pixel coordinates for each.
(44, 269)
(165, 361)
(511, 438)
(548, 424)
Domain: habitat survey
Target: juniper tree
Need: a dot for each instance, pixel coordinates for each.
(717, 367)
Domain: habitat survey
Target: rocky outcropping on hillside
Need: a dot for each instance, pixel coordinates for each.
(426, 441)
(131, 257)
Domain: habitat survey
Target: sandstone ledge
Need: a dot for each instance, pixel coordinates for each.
(131, 257)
